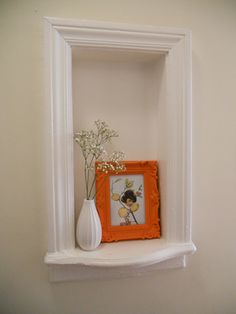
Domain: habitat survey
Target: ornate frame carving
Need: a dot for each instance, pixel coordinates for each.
(151, 228)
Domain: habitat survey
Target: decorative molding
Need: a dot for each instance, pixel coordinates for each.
(175, 166)
(118, 255)
(81, 272)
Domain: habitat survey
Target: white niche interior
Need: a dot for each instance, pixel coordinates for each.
(138, 79)
(124, 88)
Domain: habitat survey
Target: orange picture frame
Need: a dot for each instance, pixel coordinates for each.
(128, 202)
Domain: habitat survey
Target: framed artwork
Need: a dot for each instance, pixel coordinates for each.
(128, 202)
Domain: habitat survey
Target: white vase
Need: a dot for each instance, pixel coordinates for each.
(88, 229)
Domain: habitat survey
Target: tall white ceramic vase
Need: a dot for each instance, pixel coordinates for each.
(88, 229)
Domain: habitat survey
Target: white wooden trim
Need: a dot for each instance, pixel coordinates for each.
(59, 273)
(111, 255)
(61, 35)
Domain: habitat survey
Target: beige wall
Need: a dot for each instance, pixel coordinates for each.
(207, 285)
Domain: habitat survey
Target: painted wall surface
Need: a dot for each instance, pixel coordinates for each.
(207, 285)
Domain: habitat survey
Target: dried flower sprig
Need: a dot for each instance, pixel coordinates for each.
(95, 155)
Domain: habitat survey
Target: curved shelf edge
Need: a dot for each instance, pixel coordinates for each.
(100, 259)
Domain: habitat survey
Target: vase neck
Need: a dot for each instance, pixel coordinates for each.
(89, 201)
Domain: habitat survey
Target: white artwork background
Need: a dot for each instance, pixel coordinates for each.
(119, 187)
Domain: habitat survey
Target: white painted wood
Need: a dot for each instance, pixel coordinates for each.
(81, 272)
(123, 254)
(173, 145)
(61, 187)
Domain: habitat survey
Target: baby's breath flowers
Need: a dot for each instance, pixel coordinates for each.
(96, 158)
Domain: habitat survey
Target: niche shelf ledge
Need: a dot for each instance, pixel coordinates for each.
(120, 259)
(122, 254)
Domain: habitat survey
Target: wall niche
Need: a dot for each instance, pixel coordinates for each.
(138, 79)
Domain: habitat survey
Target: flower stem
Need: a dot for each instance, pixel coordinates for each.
(86, 185)
(134, 217)
(92, 185)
